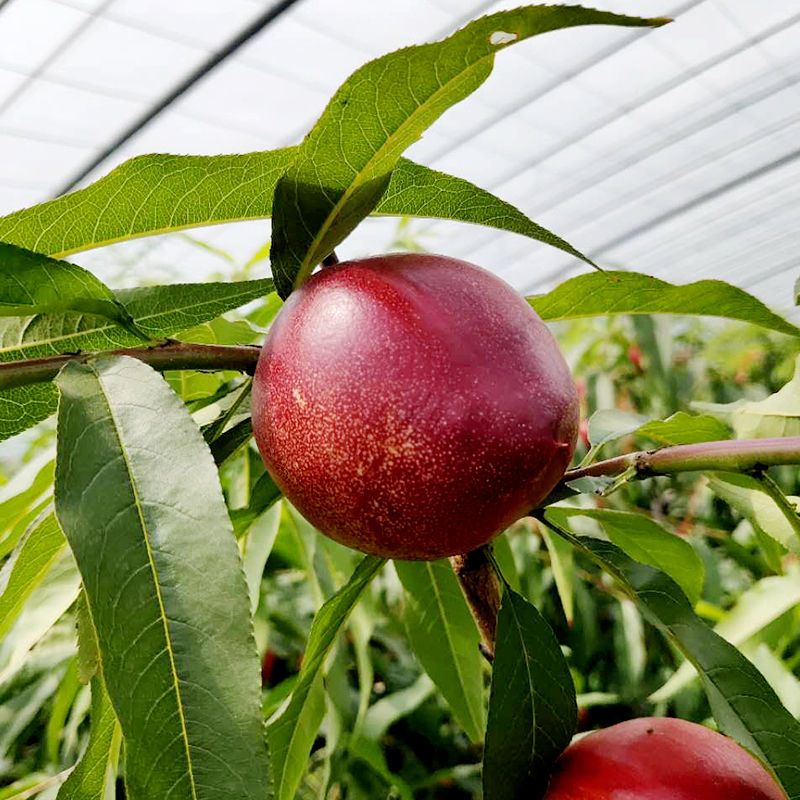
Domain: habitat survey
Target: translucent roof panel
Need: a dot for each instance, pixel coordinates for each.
(674, 152)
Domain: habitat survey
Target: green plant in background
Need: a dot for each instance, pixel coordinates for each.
(172, 627)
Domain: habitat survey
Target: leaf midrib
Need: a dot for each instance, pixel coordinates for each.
(154, 572)
(530, 676)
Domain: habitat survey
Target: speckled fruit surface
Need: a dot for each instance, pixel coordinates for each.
(412, 406)
(660, 759)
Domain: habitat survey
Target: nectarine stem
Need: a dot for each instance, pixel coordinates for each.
(479, 583)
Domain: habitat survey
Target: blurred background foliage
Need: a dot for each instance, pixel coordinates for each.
(393, 728)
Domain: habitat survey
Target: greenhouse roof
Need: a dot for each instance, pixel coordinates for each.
(674, 152)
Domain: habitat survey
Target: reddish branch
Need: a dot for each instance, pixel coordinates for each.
(169, 355)
(732, 455)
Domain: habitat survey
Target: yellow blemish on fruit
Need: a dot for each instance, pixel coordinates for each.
(298, 397)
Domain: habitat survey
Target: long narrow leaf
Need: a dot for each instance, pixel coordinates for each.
(757, 608)
(156, 194)
(96, 772)
(344, 165)
(158, 311)
(163, 582)
(644, 540)
(743, 703)
(30, 562)
(291, 735)
(445, 639)
(533, 712)
(601, 293)
(31, 283)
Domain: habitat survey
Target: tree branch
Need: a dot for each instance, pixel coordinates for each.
(169, 355)
(732, 455)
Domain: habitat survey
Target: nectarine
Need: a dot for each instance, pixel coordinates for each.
(660, 759)
(412, 406)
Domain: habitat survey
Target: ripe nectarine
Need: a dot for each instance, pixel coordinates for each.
(659, 759)
(412, 406)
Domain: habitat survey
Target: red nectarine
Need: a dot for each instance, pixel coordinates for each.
(659, 759)
(412, 406)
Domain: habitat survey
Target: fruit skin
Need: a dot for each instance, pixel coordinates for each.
(659, 759)
(412, 406)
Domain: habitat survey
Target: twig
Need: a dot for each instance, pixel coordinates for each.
(170, 355)
(732, 455)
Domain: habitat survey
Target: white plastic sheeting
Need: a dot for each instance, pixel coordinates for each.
(674, 152)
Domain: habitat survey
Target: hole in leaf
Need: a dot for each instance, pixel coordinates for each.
(503, 37)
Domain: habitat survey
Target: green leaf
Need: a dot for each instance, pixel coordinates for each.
(21, 509)
(776, 415)
(750, 498)
(158, 311)
(345, 163)
(532, 708)
(156, 194)
(47, 602)
(150, 195)
(257, 547)
(31, 283)
(17, 501)
(609, 424)
(88, 648)
(645, 541)
(417, 191)
(95, 774)
(683, 428)
(22, 407)
(388, 710)
(228, 443)
(743, 703)
(562, 562)
(759, 606)
(616, 292)
(27, 567)
(291, 735)
(445, 639)
(163, 581)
